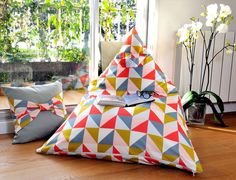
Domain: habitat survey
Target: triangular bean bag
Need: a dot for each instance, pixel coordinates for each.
(149, 133)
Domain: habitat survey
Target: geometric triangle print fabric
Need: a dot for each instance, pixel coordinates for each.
(149, 133)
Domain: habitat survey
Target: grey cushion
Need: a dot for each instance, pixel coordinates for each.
(46, 122)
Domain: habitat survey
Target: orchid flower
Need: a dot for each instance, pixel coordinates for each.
(225, 11)
(212, 14)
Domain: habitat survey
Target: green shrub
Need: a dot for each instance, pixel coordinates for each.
(3, 77)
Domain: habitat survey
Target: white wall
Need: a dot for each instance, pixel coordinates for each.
(172, 14)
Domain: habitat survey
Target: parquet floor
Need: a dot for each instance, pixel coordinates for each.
(216, 149)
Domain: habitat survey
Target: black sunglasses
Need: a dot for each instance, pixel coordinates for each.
(144, 94)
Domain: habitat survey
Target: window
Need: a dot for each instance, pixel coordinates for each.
(43, 40)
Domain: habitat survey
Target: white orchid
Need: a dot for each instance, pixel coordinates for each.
(209, 23)
(189, 31)
(225, 11)
(222, 28)
(196, 26)
(211, 14)
(195, 29)
(215, 15)
(212, 11)
(183, 34)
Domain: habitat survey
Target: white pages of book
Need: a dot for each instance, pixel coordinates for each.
(127, 100)
(111, 100)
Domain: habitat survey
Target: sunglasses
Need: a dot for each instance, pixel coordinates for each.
(144, 94)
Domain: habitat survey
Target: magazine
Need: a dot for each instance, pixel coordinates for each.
(127, 100)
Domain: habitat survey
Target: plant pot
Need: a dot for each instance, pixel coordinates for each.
(197, 113)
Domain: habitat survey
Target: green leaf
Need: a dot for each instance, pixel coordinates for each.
(188, 99)
(188, 96)
(217, 98)
(188, 104)
(216, 114)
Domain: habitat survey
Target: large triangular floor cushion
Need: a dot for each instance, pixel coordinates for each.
(149, 133)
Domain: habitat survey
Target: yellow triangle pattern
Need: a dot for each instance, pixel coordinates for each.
(137, 82)
(188, 150)
(157, 140)
(120, 92)
(138, 49)
(23, 124)
(108, 108)
(161, 106)
(67, 134)
(168, 157)
(45, 149)
(73, 146)
(107, 157)
(84, 107)
(135, 151)
(169, 118)
(94, 133)
(102, 148)
(163, 85)
(147, 60)
(139, 109)
(112, 81)
(125, 134)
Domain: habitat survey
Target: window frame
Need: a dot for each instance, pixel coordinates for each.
(94, 39)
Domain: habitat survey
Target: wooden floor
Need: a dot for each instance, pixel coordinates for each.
(215, 148)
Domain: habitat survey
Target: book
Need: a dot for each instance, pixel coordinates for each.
(126, 100)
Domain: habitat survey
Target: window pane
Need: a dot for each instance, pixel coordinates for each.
(116, 18)
(43, 41)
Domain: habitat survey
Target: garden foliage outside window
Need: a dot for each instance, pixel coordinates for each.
(116, 18)
(38, 38)
(43, 40)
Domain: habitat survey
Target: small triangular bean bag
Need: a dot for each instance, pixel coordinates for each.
(149, 133)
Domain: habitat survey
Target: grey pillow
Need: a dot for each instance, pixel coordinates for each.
(46, 122)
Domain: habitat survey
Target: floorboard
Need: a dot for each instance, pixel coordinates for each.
(215, 148)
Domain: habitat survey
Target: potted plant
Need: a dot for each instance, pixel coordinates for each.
(217, 20)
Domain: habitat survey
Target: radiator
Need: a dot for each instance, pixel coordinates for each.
(223, 68)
